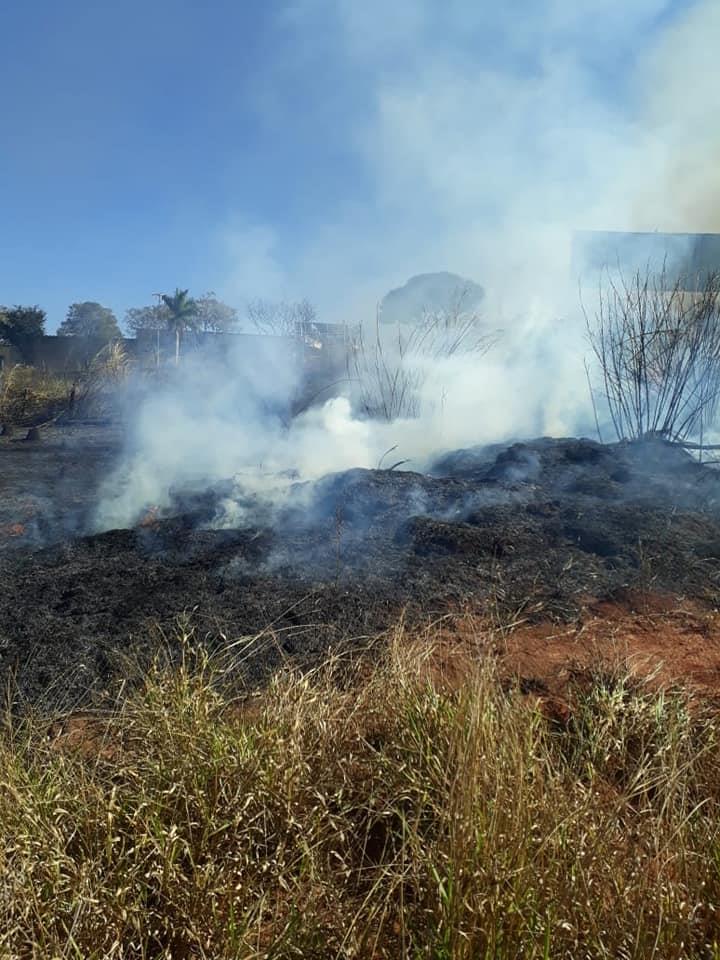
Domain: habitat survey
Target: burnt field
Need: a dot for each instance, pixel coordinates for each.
(49, 486)
(536, 532)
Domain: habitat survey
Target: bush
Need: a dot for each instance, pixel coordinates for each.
(29, 395)
(389, 371)
(658, 348)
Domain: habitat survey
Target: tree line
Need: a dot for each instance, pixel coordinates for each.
(176, 313)
(91, 319)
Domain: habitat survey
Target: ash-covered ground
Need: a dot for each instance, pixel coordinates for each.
(49, 487)
(543, 527)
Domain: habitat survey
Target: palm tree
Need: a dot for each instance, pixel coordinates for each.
(182, 315)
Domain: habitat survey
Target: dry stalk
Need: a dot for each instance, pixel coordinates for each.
(658, 348)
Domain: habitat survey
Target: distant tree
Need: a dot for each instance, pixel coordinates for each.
(280, 318)
(182, 315)
(214, 316)
(90, 319)
(153, 317)
(19, 324)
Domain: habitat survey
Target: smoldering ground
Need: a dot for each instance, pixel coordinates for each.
(536, 529)
(219, 418)
(479, 162)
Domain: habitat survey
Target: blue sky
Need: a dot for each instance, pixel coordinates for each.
(326, 148)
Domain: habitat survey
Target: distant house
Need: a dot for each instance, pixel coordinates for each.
(66, 354)
(315, 358)
(58, 355)
(316, 344)
(677, 257)
(314, 361)
(9, 356)
(312, 364)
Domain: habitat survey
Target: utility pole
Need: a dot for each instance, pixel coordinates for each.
(157, 336)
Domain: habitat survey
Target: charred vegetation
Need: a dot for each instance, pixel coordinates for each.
(547, 525)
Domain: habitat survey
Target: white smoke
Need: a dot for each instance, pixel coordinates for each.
(228, 419)
(480, 136)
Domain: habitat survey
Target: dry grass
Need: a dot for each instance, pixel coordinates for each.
(29, 395)
(97, 384)
(381, 812)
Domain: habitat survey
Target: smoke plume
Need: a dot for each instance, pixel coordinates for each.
(477, 138)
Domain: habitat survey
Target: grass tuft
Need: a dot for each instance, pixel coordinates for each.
(29, 395)
(388, 813)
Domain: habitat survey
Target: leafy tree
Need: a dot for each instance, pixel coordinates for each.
(153, 317)
(182, 315)
(214, 316)
(90, 319)
(19, 324)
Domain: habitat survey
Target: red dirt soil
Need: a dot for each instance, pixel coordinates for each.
(666, 639)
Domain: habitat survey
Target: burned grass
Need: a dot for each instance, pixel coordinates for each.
(534, 531)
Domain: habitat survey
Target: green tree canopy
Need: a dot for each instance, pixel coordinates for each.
(181, 310)
(90, 319)
(214, 316)
(211, 315)
(18, 324)
(153, 317)
(182, 315)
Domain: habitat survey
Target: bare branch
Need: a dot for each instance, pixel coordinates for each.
(658, 348)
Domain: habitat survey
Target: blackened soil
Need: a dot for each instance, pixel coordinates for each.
(49, 486)
(537, 528)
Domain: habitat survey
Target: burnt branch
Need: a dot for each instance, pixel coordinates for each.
(658, 348)
(390, 370)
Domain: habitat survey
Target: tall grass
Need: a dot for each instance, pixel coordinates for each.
(29, 395)
(32, 395)
(389, 811)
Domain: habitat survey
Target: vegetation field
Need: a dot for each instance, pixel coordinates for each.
(412, 805)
